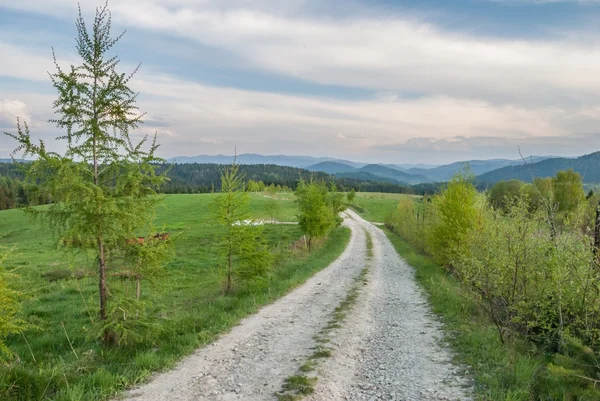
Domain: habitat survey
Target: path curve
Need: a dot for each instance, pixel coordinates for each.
(390, 348)
(254, 358)
(387, 349)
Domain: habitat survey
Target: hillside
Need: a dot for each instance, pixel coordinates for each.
(478, 167)
(588, 166)
(370, 172)
(332, 167)
(380, 170)
(251, 158)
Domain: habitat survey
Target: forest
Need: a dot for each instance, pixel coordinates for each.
(202, 178)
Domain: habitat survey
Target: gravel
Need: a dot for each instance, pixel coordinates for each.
(387, 349)
(252, 361)
(390, 346)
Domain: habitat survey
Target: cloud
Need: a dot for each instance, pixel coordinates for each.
(9, 111)
(203, 118)
(436, 93)
(388, 54)
(465, 148)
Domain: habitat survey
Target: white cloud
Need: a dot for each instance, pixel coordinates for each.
(499, 92)
(387, 54)
(9, 111)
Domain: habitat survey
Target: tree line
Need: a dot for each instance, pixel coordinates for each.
(195, 178)
(530, 252)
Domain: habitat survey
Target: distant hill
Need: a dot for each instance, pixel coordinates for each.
(588, 166)
(478, 167)
(332, 167)
(251, 158)
(380, 170)
(371, 172)
(360, 175)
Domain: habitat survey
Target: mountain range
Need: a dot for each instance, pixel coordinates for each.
(406, 174)
(252, 158)
(588, 166)
(486, 171)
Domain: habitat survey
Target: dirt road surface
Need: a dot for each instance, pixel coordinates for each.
(388, 348)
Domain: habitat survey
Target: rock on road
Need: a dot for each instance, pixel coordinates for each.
(387, 349)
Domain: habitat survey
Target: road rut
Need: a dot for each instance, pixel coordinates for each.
(387, 349)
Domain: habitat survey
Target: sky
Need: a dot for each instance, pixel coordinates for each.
(390, 81)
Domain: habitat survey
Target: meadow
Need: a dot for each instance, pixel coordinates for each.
(57, 358)
(373, 206)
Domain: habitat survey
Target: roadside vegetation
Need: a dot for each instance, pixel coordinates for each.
(514, 274)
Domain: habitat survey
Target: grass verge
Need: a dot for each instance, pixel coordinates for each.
(513, 371)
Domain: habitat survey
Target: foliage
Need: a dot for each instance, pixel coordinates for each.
(531, 265)
(568, 190)
(503, 192)
(273, 209)
(456, 214)
(101, 184)
(318, 209)
(244, 251)
(351, 195)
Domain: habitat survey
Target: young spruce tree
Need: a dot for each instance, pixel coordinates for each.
(102, 184)
(244, 251)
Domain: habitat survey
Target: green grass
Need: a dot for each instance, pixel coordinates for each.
(188, 302)
(513, 371)
(373, 206)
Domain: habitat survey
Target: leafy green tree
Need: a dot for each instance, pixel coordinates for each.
(273, 208)
(504, 192)
(456, 215)
(316, 215)
(351, 195)
(568, 190)
(253, 186)
(336, 202)
(102, 184)
(10, 307)
(244, 251)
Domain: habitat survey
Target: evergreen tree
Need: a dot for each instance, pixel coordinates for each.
(243, 247)
(102, 184)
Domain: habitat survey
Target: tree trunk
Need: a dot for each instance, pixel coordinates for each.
(138, 288)
(597, 235)
(309, 243)
(102, 281)
(228, 271)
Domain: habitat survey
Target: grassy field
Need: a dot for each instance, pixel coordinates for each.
(188, 300)
(376, 206)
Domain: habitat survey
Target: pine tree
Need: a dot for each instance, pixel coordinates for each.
(102, 184)
(243, 247)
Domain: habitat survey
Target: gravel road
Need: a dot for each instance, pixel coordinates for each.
(387, 348)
